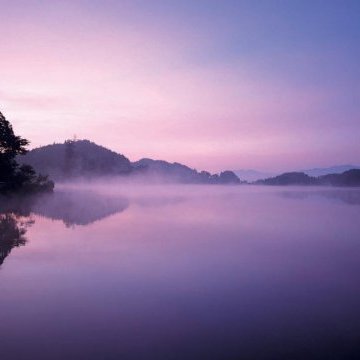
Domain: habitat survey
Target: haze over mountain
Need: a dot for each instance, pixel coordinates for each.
(83, 158)
(337, 169)
(347, 178)
(181, 173)
(251, 175)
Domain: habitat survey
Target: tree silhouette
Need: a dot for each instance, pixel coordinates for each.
(14, 177)
(10, 144)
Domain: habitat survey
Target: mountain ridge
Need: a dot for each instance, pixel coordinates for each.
(350, 178)
(252, 175)
(83, 158)
(335, 169)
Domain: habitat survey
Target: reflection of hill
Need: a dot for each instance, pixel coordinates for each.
(351, 197)
(12, 233)
(72, 207)
(158, 201)
(78, 207)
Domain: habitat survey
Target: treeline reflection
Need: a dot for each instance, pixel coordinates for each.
(73, 208)
(13, 228)
(346, 196)
(78, 208)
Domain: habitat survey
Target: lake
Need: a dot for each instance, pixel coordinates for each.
(181, 272)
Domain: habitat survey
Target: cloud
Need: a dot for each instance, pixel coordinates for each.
(173, 87)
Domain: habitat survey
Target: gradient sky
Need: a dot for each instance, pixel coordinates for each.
(271, 85)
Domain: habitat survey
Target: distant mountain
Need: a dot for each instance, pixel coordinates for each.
(182, 173)
(338, 169)
(251, 175)
(347, 178)
(83, 158)
(290, 178)
(165, 169)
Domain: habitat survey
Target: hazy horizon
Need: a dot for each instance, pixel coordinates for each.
(214, 85)
(265, 172)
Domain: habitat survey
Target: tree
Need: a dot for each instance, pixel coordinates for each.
(69, 157)
(10, 144)
(14, 178)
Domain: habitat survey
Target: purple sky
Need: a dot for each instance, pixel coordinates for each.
(272, 85)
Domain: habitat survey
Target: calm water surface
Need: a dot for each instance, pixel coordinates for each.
(181, 273)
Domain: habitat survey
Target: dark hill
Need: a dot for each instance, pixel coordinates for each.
(76, 158)
(347, 178)
(290, 178)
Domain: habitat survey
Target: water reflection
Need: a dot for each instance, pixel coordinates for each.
(78, 208)
(13, 228)
(194, 273)
(15, 219)
(159, 201)
(73, 208)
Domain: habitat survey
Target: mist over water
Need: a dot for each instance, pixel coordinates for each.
(125, 271)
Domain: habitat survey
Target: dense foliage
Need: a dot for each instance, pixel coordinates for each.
(16, 178)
